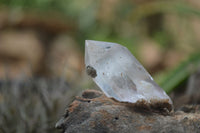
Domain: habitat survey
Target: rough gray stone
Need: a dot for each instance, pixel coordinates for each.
(95, 113)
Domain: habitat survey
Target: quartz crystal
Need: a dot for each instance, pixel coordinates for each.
(119, 74)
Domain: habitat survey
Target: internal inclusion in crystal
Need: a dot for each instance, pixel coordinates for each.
(120, 75)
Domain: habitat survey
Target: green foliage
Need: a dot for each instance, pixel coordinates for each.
(34, 106)
(125, 24)
(85, 13)
(179, 74)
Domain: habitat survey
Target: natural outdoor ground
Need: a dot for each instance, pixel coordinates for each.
(95, 113)
(42, 52)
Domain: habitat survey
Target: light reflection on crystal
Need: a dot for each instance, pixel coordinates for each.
(120, 75)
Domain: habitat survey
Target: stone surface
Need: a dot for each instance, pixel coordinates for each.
(96, 113)
(118, 73)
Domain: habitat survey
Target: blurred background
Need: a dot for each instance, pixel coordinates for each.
(42, 52)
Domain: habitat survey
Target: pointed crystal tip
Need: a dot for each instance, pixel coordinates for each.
(119, 75)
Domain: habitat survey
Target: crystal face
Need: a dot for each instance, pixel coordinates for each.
(119, 75)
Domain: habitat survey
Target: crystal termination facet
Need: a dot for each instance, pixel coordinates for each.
(119, 75)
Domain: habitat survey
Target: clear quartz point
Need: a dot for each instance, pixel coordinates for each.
(119, 75)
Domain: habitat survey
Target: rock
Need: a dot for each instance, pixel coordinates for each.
(96, 113)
